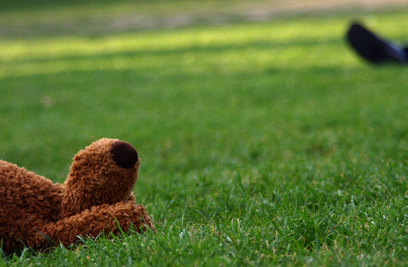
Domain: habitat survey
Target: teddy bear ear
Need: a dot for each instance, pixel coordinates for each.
(124, 154)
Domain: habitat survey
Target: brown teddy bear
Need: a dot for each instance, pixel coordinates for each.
(95, 198)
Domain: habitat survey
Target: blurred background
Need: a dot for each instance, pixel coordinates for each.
(28, 18)
(178, 76)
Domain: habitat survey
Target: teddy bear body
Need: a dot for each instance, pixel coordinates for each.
(27, 202)
(96, 197)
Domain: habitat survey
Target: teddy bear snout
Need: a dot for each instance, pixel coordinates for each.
(124, 154)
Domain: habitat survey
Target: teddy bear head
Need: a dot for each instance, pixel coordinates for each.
(102, 173)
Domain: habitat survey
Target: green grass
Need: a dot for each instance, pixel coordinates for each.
(262, 143)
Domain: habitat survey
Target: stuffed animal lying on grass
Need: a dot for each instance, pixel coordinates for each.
(96, 197)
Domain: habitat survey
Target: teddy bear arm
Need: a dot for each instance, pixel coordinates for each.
(91, 223)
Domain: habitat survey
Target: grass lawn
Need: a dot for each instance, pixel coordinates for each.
(262, 143)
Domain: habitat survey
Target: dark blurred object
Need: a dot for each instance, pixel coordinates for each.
(373, 48)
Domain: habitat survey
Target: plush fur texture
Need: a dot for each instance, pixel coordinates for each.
(96, 196)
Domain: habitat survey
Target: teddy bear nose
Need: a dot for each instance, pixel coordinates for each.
(124, 154)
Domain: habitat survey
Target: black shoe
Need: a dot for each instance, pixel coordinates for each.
(373, 48)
